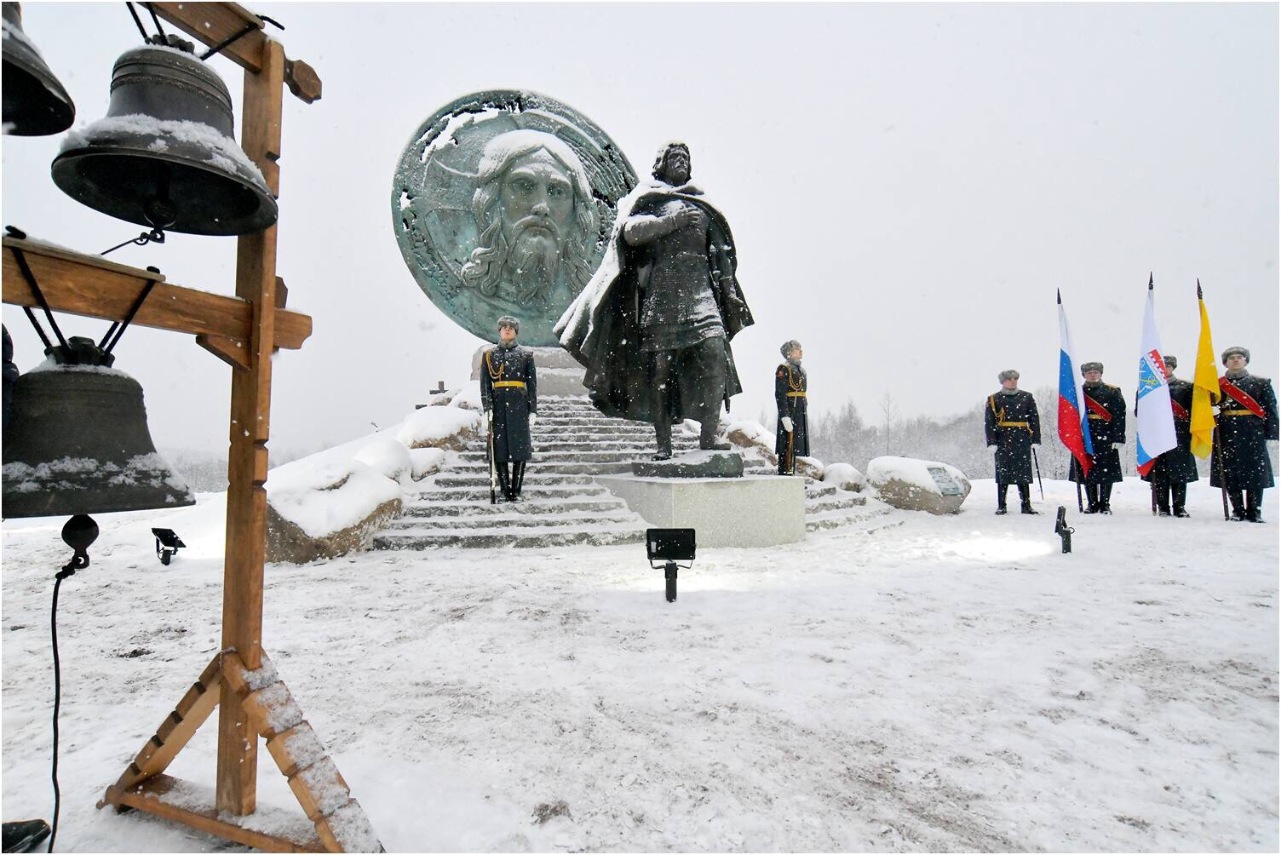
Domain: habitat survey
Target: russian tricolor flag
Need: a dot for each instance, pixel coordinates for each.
(1074, 431)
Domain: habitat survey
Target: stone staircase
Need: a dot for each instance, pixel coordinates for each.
(562, 505)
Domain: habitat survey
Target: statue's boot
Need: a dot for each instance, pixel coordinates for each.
(707, 436)
(1179, 493)
(663, 434)
(1025, 499)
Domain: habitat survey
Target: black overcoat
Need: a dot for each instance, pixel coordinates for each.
(1013, 425)
(1107, 429)
(1177, 466)
(509, 388)
(791, 385)
(1241, 438)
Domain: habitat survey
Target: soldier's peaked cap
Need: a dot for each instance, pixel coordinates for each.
(1091, 366)
(1238, 350)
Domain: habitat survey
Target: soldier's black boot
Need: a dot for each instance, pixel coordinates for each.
(518, 479)
(504, 479)
(663, 434)
(1162, 500)
(1253, 506)
(1238, 506)
(24, 835)
(1105, 499)
(1180, 493)
(1091, 499)
(1025, 499)
(1000, 498)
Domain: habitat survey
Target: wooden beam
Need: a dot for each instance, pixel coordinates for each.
(212, 23)
(246, 550)
(92, 287)
(171, 798)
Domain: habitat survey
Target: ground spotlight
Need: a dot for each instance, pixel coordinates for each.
(1063, 530)
(670, 545)
(167, 543)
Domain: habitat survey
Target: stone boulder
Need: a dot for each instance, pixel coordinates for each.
(843, 476)
(918, 485)
(332, 520)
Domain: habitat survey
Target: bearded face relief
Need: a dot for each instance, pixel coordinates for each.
(503, 202)
(535, 218)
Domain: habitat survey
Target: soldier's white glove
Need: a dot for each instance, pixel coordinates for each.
(533, 419)
(787, 423)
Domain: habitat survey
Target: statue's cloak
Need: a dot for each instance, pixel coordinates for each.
(601, 328)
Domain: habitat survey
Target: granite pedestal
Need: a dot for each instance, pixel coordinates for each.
(755, 510)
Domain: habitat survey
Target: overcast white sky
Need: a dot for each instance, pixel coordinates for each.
(908, 185)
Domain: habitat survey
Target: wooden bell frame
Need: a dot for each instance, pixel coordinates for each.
(243, 331)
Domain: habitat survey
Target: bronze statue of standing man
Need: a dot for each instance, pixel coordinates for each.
(653, 326)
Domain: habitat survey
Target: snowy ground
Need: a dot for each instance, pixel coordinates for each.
(949, 683)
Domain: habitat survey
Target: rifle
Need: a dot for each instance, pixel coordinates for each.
(1037, 464)
(493, 466)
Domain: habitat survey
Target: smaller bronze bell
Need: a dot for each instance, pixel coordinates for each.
(165, 155)
(77, 441)
(35, 102)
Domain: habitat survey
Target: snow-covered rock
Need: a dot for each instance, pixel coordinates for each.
(918, 485)
(843, 476)
(335, 501)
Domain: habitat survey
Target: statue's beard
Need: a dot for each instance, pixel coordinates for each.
(533, 259)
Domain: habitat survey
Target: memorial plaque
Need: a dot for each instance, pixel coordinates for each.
(946, 483)
(502, 204)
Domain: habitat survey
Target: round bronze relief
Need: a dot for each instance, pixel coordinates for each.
(502, 204)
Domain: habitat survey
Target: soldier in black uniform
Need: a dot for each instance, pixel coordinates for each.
(1173, 470)
(509, 394)
(1247, 420)
(1013, 425)
(792, 437)
(1105, 406)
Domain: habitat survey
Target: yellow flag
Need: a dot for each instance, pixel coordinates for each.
(1205, 387)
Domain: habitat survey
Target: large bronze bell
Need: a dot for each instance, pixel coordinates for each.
(35, 102)
(77, 441)
(165, 156)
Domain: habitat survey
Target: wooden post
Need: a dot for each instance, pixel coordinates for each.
(247, 458)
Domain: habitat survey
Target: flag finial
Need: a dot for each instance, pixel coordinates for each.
(1198, 287)
(1149, 280)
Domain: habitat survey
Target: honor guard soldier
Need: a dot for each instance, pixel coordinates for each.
(792, 438)
(1105, 406)
(1247, 420)
(509, 395)
(1013, 426)
(1175, 469)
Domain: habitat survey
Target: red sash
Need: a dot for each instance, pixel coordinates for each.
(1241, 396)
(1179, 412)
(1095, 407)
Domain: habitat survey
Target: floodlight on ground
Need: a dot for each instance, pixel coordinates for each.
(670, 545)
(167, 543)
(1063, 530)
